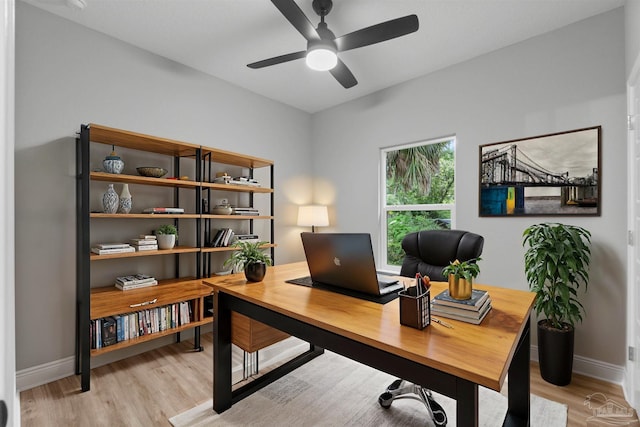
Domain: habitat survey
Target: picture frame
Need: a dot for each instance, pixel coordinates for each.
(548, 175)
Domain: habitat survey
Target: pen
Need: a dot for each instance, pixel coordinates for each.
(445, 324)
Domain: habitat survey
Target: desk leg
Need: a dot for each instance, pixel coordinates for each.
(221, 354)
(518, 413)
(466, 403)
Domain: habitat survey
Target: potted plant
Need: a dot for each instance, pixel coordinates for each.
(249, 256)
(167, 235)
(556, 264)
(461, 275)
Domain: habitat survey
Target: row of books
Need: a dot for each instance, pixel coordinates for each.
(114, 329)
(472, 310)
(222, 238)
(145, 242)
(135, 281)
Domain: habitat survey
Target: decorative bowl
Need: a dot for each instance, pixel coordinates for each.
(152, 171)
(222, 210)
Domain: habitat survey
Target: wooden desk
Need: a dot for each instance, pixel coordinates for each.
(450, 361)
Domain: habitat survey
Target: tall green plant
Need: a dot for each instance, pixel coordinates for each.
(556, 265)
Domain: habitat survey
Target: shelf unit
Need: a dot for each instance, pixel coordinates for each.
(101, 301)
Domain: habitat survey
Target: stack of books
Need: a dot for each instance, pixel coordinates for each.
(246, 211)
(471, 310)
(135, 281)
(112, 248)
(249, 238)
(145, 243)
(222, 238)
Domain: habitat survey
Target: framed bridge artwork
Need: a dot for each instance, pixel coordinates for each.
(547, 175)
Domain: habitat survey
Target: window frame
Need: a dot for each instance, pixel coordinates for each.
(384, 209)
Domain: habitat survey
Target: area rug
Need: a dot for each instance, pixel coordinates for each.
(335, 391)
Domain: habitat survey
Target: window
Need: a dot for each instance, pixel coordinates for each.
(417, 193)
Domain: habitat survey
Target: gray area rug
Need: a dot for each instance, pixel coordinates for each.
(335, 391)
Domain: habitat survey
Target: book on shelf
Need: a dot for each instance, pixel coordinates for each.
(124, 287)
(246, 211)
(443, 310)
(141, 242)
(248, 238)
(134, 279)
(142, 248)
(163, 210)
(109, 331)
(99, 251)
(111, 245)
(476, 320)
(478, 298)
(147, 237)
(222, 238)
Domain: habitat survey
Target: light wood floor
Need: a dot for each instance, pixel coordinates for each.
(147, 389)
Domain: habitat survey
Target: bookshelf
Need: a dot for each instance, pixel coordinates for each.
(181, 268)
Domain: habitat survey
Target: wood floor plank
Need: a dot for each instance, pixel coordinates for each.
(149, 388)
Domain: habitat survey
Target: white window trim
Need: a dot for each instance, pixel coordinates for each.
(382, 194)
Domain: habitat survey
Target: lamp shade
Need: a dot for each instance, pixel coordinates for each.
(313, 216)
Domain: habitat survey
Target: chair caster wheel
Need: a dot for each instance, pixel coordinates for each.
(385, 400)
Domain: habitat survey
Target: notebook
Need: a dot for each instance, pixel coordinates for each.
(344, 261)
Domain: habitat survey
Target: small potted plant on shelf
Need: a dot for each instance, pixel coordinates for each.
(461, 275)
(249, 256)
(167, 235)
(556, 264)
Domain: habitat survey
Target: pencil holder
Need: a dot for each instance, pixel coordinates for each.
(415, 310)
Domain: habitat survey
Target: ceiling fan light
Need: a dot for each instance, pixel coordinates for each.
(321, 58)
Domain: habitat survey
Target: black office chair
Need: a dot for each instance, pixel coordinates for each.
(427, 252)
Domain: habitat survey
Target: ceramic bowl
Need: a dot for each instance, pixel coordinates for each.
(222, 210)
(152, 171)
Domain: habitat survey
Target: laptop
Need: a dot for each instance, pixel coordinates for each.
(345, 260)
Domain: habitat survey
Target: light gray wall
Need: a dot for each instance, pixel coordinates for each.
(632, 33)
(568, 79)
(67, 75)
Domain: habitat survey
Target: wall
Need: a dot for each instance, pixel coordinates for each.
(632, 34)
(567, 79)
(67, 75)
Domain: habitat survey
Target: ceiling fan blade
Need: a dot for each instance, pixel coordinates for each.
(343, 75)
(378, 33)
(278, 59)
(296, 16)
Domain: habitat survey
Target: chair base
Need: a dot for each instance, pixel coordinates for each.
(400, 389)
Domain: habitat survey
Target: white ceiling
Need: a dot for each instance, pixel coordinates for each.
(219, 37)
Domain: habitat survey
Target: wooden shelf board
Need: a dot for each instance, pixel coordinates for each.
(236, 188)
(175, 250)
(144, 216)
(144, 180)
(139, 141)
(109, 300)
(230, 158)
(237, 217)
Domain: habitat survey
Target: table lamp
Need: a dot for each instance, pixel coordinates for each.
(314, 216)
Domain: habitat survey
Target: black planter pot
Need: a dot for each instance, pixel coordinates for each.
(555, 353)
(255, 272)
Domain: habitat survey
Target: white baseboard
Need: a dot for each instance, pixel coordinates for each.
(52, 371)
(591, 368)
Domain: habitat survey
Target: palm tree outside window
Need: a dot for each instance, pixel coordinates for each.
(418, 193)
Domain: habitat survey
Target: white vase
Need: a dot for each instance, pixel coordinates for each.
(166, 241)
(125, 200)
(110, 200)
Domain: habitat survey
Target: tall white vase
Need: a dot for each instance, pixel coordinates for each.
(126, 202)
(110, 200)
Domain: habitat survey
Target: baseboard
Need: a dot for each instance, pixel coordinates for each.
(45, 373)
(52, 371)
(591, 368)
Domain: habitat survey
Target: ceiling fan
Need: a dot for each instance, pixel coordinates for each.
(323, 45)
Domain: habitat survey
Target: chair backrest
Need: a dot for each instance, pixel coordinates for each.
(428, 251)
